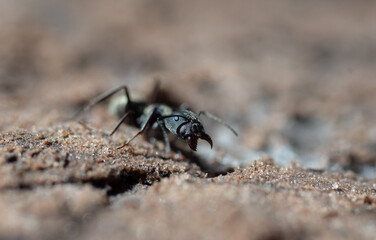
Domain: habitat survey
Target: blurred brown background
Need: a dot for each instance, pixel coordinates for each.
(295, 78)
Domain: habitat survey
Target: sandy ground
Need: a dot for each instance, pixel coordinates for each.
(296, 79)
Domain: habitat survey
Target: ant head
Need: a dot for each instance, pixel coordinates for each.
(191, 131)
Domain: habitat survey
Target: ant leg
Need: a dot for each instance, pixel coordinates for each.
(143, 128)
(165, 136)
(120, 122)
(157, 86)
(103, 97)
(215, 118)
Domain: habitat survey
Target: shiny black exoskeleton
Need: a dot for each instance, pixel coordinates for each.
(182, 122)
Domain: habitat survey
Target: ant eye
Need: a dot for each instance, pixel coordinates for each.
(176, 118)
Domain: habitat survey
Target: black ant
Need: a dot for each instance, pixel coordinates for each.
(181, 122)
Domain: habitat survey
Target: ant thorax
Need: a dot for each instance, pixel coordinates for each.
(157, 110)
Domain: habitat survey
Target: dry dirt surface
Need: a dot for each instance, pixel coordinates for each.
(296, 79)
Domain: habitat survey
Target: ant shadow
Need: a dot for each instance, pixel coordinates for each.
(211, 168)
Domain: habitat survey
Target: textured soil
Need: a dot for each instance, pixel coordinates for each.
(296, 79)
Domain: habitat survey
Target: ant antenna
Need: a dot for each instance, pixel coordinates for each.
(157, 86)
(215, 118)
